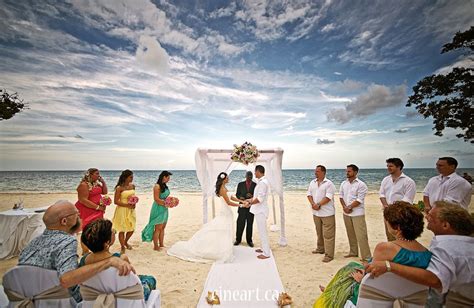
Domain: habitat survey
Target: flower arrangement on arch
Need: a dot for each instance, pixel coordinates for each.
(105, 200)
(132, 200)
(246, 153)
(171, 202)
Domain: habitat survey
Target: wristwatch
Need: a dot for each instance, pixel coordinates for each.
(350, 207)
(387, 265)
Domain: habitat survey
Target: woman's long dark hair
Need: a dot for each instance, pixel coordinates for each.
(220, 180)
(162, 175)
(125, 174)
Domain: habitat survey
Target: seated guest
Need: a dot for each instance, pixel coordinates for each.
(56, 249)
(405, 223)
(98, 236)
(452, 263)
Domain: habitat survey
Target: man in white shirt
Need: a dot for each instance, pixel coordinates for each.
(321, 197)
(259, 208)
(396, 187)
(447, 186)
(351, 195)
(451, 266)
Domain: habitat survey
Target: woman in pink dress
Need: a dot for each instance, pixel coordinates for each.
(89, 193)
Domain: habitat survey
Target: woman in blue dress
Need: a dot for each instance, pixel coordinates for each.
(405, 222)
(155, 229)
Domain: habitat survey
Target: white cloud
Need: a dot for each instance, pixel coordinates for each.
(467, 62)
(151, 56)
(224, 11)
(328, 28)
(376, 98)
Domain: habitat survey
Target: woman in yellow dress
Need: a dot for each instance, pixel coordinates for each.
(124, 217)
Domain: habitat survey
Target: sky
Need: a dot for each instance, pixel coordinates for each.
(141, 84)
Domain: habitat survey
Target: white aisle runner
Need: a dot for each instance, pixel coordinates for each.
(246, 282)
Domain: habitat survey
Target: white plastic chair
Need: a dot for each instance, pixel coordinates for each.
(383, 291)
(109, 281)
(31, 281)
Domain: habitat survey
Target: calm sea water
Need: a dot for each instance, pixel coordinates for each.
(186, 180)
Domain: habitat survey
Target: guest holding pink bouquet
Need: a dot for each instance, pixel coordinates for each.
(155, 229)
(125, 217)
(89, 193)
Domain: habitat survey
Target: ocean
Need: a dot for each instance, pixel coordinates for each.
(186, 180)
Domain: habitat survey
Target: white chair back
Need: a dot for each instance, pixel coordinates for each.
(461, 296)
(383, 291)
(29, 281)
(109, 281)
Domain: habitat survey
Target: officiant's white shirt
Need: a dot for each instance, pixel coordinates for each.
(261, 193)
(451, 188)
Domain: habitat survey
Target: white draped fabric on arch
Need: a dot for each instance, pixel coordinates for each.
(210, 162)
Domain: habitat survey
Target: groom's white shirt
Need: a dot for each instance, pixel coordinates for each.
(261, 194)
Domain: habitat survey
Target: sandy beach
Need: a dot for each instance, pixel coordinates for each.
(181, 282)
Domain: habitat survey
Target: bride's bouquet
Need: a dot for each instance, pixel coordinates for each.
(171, 202)
(132, 200)
(105, 200)
(245, 153)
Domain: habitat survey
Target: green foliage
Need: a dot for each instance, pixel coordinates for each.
(420, 205)
(10, 105)
(449, 98)
(461, 40)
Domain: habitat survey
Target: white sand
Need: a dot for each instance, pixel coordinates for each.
(181, 282)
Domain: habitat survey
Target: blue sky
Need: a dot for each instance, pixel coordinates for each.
(142, 84)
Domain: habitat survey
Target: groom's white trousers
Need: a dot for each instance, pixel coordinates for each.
(261, 220)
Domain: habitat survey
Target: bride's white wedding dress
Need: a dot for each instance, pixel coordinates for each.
(211, 243)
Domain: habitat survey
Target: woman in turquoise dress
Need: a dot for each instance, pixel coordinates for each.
(155, 229)
(405, 222)
(99, 236)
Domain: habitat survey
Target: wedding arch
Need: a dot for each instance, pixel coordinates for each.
(210, 162)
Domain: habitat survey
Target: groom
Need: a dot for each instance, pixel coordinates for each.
(259, 208)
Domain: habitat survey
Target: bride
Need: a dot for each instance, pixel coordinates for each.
(213, 242)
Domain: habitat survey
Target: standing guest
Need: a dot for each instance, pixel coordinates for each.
(155, 229)
(467, 177)
(451, 267)
(321, 197)
(447, 186)
(245, 191)
(124, 217)
(351, 195)
(396, 187)
(56, 249)
(89, 192)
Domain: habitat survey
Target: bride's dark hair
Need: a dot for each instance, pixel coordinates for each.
(220, 180)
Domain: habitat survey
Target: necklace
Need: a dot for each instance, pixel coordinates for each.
(404, 239)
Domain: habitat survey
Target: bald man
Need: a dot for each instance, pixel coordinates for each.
(56, 249)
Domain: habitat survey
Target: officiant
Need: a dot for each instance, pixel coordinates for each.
(245, 191)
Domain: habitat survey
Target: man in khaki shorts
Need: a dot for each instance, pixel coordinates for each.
(352, 196)
(321, 197)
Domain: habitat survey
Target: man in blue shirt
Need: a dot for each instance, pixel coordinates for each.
(56, 249)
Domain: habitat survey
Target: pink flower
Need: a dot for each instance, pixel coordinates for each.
(105, 200)
(132, 200)
(171, 202)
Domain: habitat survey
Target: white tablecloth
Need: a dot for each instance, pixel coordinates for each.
(17, 229)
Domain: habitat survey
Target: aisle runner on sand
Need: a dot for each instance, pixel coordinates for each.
(246, 282)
